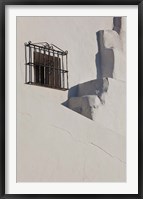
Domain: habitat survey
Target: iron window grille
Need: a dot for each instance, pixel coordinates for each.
(46, 65)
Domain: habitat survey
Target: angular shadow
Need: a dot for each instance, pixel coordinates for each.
(104, 58)
(104, 61)
(98, 66)
(73, 92)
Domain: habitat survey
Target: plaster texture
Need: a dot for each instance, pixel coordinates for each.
(112, 57)
(109, 110)
(94, 87)
(65, 146)
(85, 105)
(54, 143)
(115, 41)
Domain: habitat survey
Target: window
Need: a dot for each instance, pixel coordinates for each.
(46, 65)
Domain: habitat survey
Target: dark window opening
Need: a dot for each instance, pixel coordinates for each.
(46, 65)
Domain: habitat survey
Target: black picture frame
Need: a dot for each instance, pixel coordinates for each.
(3, 3)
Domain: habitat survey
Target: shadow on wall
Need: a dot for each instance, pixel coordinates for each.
(73, 92)
(86, 97)
(104, 58)
(98, 66)
(104, 62)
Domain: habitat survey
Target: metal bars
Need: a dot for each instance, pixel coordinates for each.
(46, 65)
(30, 66)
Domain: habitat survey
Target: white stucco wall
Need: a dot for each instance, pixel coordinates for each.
(55, 143)
(75, 34)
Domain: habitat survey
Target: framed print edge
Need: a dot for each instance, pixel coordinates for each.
(140, 100)
(2, 99)
(2, 106)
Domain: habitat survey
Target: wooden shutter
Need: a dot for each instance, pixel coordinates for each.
(47, 70)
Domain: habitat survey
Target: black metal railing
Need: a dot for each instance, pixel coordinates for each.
(46, 65)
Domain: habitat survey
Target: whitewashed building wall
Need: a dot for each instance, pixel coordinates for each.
(55, 143)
